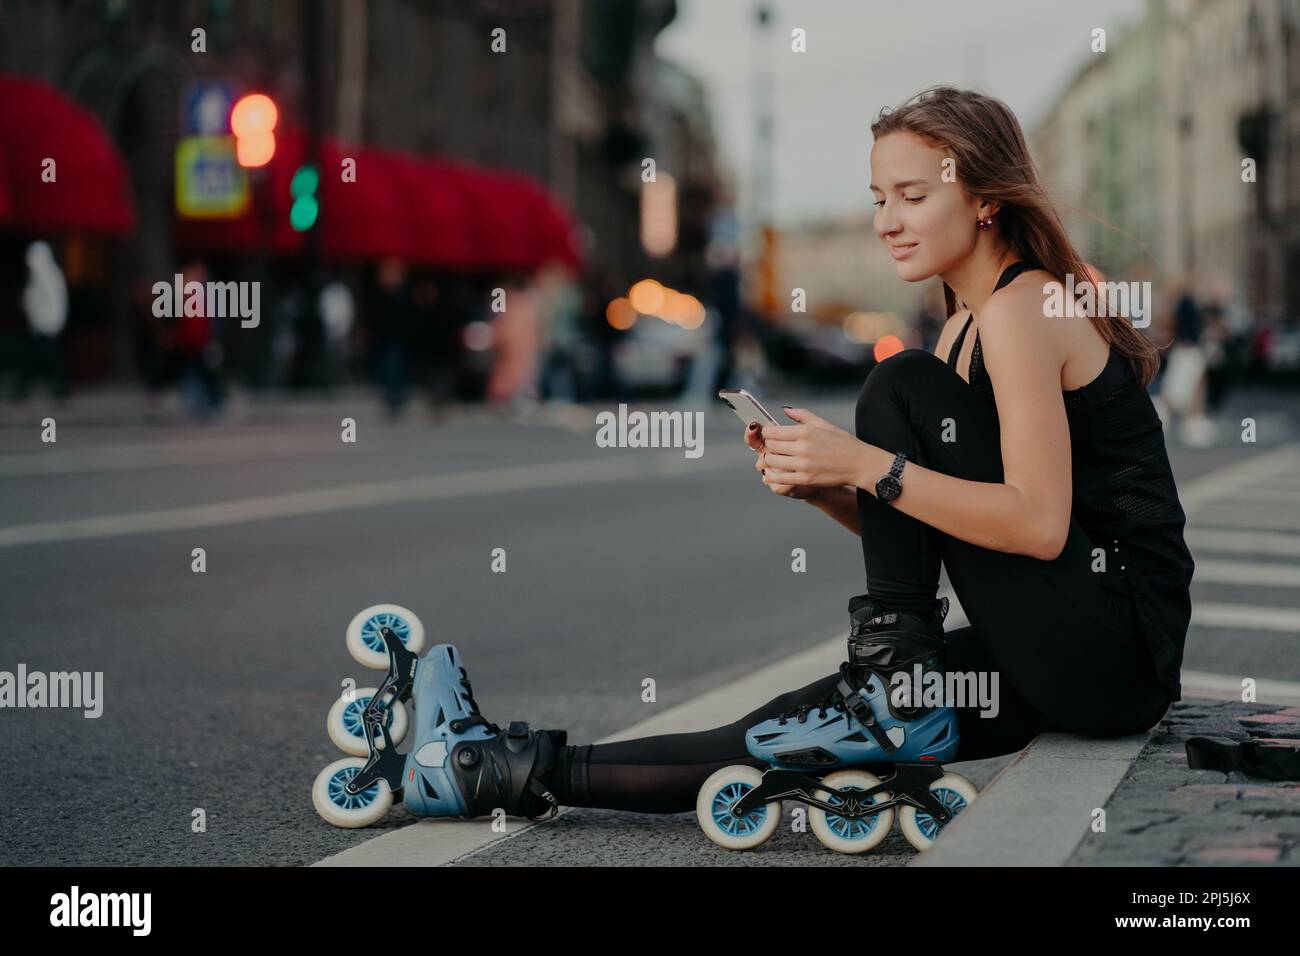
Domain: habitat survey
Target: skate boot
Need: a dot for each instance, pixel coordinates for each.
(874, 716)
(459, 765)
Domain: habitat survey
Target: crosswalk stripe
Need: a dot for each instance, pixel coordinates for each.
(1228, 687)
(1249, 515)
(1246, 616)
(1229, 481)
(1241, 542)
(1257, 573)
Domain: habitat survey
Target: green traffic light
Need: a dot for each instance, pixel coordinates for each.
(304, 182)
(303, 214)
(305, 209)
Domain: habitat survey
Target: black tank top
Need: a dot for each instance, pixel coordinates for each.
(1124, 496)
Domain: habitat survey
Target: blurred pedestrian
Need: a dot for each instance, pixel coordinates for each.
(517, 343)
(45, 303)
(199, 344)
(394, 330)
(1183, 386)
(560, 303)
(337, 313)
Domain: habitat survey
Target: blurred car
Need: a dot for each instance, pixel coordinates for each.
(655, 357)
(821, 354)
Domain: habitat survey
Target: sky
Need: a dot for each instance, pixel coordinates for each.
(865, 54)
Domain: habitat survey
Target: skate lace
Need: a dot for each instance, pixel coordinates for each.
(473, 704)
(833, 699)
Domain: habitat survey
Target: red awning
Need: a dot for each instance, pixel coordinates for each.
(430, 212)
(5, 204)
(90, 190)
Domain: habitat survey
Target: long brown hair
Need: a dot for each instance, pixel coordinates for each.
(993, 163)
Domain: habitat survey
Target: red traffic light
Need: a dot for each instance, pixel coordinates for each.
(252, 120)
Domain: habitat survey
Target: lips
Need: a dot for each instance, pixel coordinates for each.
(902, 250)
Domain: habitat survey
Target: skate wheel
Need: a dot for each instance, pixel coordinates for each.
(347, 730)
(367, 647)
(342, 809)
(954, 791)
(713, 810)
(843, 834)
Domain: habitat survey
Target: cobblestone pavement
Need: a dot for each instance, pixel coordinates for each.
(1166, 814)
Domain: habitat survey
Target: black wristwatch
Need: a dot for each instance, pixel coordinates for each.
(889, 486)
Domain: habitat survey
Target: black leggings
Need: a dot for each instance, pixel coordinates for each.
(1067, 651)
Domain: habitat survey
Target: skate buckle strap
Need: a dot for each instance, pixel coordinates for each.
(860, 708)
(462, 724)
(861, 628)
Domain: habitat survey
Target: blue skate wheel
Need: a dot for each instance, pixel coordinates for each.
(347, 730)
(713, 810)
(342, 809)
(366, 644)
(955, 792)
(846, 834)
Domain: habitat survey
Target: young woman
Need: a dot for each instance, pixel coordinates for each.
(1025, 455)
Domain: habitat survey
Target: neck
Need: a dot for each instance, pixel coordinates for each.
(973, 278)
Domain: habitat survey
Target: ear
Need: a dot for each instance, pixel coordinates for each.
(988, 207)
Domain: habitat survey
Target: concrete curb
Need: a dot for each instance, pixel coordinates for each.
(1037, 810)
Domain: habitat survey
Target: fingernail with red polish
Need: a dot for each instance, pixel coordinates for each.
(753, 425)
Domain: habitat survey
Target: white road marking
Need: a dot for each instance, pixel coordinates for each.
(1248, 515)
(1256, 573)
(1246, 616)
(1241, 542)
(1228, 687)
(1229, 481)
(665, 463)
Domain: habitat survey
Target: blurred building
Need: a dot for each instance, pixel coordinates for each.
(1146, 146)
(842, 265)
(567, 91)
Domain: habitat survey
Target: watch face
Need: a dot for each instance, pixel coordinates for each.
(888, 488)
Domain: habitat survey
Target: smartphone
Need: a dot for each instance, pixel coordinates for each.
(746, 406)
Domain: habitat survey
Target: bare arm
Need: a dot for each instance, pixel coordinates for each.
(840, 503)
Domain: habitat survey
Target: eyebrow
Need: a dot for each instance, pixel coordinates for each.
(903, 185)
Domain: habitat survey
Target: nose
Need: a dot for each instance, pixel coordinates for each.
(886, 221)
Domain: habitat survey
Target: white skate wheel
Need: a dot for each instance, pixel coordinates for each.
(952, 790)
(719, 793)
(845, 835)
(348, 732)
(364, 642)
(337, 806)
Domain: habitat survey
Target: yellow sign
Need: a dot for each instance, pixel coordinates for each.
(210, 183)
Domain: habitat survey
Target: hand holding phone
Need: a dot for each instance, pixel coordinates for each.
(749, 409)
(746, 406)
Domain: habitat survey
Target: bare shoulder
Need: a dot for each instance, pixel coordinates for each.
(1020, 307)
(951, 329)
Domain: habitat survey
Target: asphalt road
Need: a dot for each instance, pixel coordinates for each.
(621, 564)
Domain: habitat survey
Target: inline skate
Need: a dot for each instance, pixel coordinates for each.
(822, 760)
(459, 765)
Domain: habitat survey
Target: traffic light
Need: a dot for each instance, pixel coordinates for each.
(252, 120)
(303, 186)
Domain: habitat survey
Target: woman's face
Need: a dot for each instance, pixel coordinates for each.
(924, 216)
